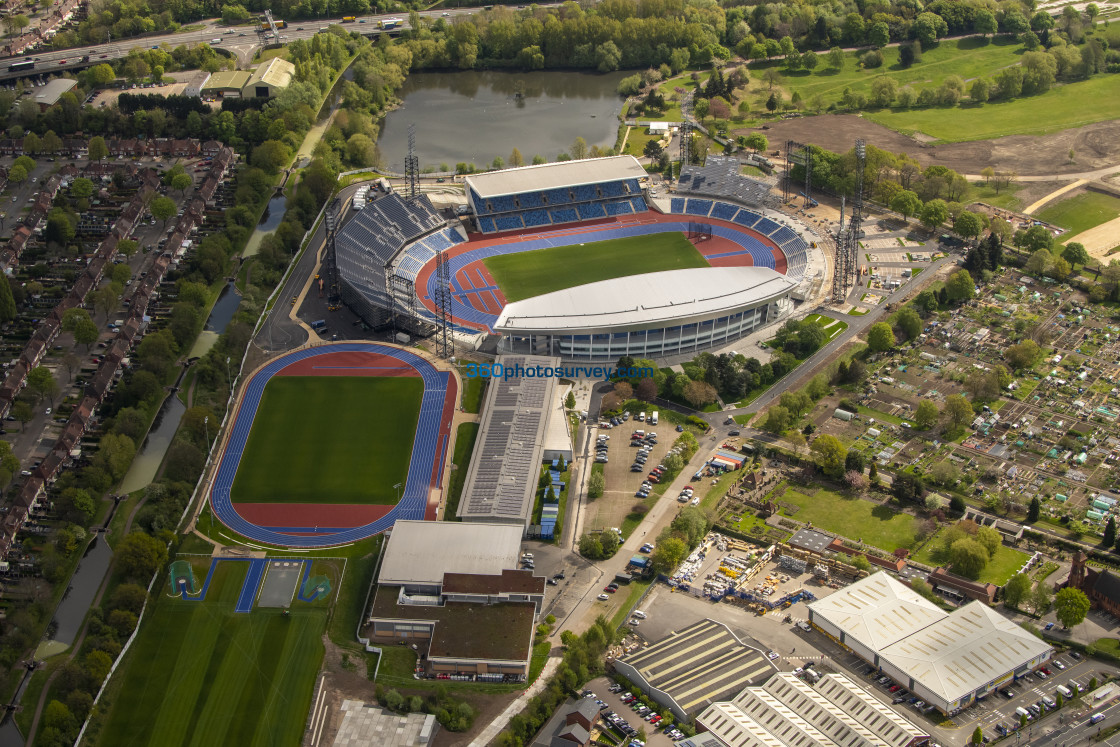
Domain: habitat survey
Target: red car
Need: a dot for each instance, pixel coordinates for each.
(610, 589)
(895, 688)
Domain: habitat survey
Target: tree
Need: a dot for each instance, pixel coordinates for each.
(909, 322)
(7, 301)
(777, 420)
(86, 332)
(880, 337)
(836, 58)
(854, 461)
(990, 539)
(17, 175)
(1023, 355)
(934, 213)
(578, 151)
(968, 224)
(516, 159)
(1071, 605)
(1075, 254)
(595, 485)
(181, 183)
(906, 202)
(1041, 598)
(1017, 590)
(139, 555)
(883, 91)
(830, 454)
(570, 401)
(968, 557)
(879, 35)
(41, 384)
(960, 286)
(97, 150)
(978, 735)
(906, 486)
(1033, 510)
(757, 141)
(668, 555)
(772, 102)
(162, 208)
(926, 415)
(958, 411)
(700, 394)
(984, 23)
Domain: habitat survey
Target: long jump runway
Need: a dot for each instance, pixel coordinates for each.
(325, 525)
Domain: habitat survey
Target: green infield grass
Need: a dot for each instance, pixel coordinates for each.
(330, 439)
(200, 674)
(1066, 106)
(1081, 212)
(528, 274)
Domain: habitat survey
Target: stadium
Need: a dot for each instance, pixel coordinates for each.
(576, 259)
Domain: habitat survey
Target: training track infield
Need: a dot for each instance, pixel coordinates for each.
(324, 524)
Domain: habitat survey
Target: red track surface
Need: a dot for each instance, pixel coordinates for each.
(475, 275)
(338, 515)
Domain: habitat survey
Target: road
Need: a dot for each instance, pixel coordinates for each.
(235, 39)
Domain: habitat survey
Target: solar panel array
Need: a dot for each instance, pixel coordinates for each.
(720, 177)
(503, 478)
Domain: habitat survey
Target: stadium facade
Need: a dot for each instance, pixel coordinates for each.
(386, 257)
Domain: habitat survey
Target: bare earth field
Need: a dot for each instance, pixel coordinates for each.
(1097, 145)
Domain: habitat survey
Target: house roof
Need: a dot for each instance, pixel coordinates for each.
(509, 581)
(1107, 585)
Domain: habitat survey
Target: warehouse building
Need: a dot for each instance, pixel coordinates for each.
(787, 712)
(694, 667)
(946, 659)
(49, 95)
(269, 79)
(455, 588)
(227, 83)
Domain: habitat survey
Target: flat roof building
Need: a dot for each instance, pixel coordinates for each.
(226, 83)
(48, 95)
(695, 666)
(456, 587)
(195, 83)
(501, 481)
(553, 176)
(946, 659)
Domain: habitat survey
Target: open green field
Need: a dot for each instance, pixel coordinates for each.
(201, 674)
(529, 274)
(874, 524)
(968, 58)
(1066, 106)
(1081, 212)
(330, 439)
(998, 571)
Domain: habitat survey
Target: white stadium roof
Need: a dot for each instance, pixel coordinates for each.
(878, 611)
(420, 552)
(555, 175)
(643, 300)
(965, 651)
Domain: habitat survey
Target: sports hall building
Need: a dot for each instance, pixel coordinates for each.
(759, 260)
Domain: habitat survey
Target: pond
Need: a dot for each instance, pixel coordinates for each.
(474, 116)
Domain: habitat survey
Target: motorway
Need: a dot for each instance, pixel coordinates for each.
(237, 40)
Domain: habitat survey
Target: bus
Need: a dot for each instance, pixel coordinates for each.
(349, 19)
(390, 23)
(21, 66)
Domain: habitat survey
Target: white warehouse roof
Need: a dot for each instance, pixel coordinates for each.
(420, 552)
(644, 300)
(555, 175)
(877, 611)
(965, 651)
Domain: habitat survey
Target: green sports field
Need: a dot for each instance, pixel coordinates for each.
(201, 674)
(529, 274)
(330, 439)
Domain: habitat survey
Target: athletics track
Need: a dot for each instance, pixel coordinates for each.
(326, 524)
(477, 301)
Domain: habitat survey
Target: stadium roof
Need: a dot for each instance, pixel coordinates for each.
(965, 651)
(420, 552)
(555, 175)
(699, 664)
(501, 481)
(877, 611)
(646, 299)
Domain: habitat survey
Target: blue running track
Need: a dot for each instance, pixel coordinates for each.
(426, 449)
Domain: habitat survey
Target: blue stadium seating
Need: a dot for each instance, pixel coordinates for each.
(766, 226)
(508, 222)
(558, 196)
(621, 207)
(747, 218)
(591, 210)
(639, 204)
(611, 189)
(724, 211)
(502, 204)
(486, 225)
(699, 207)
(563, 215)
(784, 234)
(585, 192)
(676, 205)
(530, 199)
(535, 218)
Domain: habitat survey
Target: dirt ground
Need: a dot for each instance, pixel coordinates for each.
(1097, 145)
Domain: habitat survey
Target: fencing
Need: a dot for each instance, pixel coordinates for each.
(181, 578)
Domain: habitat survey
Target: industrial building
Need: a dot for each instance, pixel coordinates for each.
(787, 712)
(48, 95)
(946, 659)
(694, 667)
(456, 587)
(269, 79)
(225, 83)
(513, 442)
(195, 83)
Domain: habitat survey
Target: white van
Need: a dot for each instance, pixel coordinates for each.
(642, 416)
(653, 418)
(639, 614)
(216, 41)
(1020, 712)
(1064, 691)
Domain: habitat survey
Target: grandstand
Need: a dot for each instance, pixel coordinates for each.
(720, 177)
(380, 251)
(556, 193)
